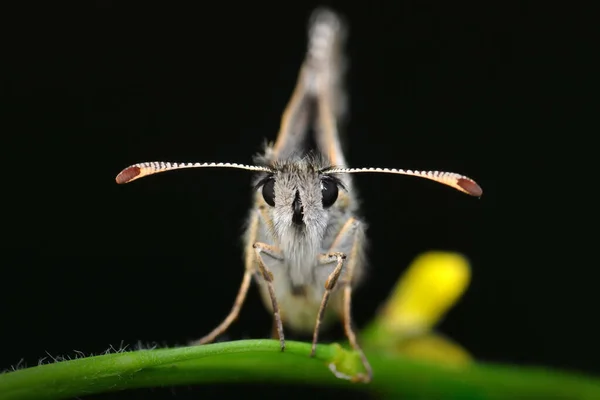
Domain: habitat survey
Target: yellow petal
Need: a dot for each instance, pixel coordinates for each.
(434, 347)
(431, 285)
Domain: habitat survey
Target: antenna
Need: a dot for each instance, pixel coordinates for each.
(457, 181)
(141, 170)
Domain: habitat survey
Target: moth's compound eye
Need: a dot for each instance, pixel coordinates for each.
(268, 192)
(329, 189)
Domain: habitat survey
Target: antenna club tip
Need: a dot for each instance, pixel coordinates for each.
(127, 175)
(470, 187)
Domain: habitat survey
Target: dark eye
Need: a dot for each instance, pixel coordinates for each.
(329, 189)
(268, 192)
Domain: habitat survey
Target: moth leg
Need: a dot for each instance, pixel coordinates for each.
(344, 240)
(351, 240)
(352, 336)
(233, 314)
(325, 259)
(243, 291)
(274, 333)
(355, 257)
(268, 277)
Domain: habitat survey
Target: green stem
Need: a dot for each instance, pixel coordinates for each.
(262, 360)
(232, 361)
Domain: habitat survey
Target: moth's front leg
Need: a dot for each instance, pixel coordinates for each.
(342, 245)
(267, 275)
(326, 259)
(350, 240)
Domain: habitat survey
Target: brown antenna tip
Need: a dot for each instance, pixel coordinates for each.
(127, 175)
(470, 187)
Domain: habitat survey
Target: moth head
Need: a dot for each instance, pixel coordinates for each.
(300, 195)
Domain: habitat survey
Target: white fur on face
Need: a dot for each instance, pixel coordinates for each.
(300, 244)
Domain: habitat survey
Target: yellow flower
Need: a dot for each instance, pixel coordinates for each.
(432, 284)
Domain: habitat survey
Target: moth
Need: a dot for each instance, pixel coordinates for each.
(304, 243)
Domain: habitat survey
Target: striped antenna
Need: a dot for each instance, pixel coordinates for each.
(457, 181)
(140, 170)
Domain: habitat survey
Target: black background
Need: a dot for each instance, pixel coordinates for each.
(91, 89)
